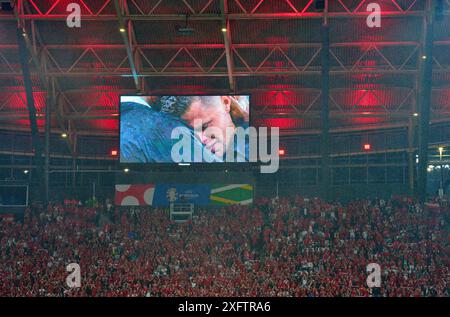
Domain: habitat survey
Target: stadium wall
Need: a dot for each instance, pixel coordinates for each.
(341, 193)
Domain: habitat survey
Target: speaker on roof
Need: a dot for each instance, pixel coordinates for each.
(6, 6)
(320, 5)
(439, 10)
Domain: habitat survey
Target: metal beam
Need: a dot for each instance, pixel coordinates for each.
(48, 111)
(5, 116)
(37, 146)
(215, 17)
(40, 64)
(236, 73)
(292, 132)
(135, 48)
(222, 46)
(425, 100)
(228, 44)
(290, 68)
(325, 115)
(126, 40)
(411, 154)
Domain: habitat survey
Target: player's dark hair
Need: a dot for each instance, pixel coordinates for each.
(177, 105)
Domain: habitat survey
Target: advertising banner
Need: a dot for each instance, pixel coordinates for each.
(181, 193)
(134, 195)
(197, 194)
(231, 194)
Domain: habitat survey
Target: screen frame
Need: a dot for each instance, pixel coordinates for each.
(182, 164)
(26, 197)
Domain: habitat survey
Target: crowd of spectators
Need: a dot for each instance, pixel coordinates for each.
(281, 247)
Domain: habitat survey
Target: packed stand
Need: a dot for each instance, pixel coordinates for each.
(286, 247)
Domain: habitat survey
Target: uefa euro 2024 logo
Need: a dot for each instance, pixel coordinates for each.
(172, 195)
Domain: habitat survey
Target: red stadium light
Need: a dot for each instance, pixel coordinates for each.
(281, 152)
(114, 152)
(367, 147)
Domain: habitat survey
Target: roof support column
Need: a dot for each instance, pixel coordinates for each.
(426, 78)
(411, 158)
(47, 143)
(325, 136)
(37, 147)
(127, 43)
(226, 29)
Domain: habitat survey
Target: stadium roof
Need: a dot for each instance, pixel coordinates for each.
(270, 49)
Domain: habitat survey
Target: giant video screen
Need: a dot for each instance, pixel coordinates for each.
(184, 129)
(13, 195)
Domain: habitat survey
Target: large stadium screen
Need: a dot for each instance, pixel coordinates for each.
(13, 195)
(184, 129)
